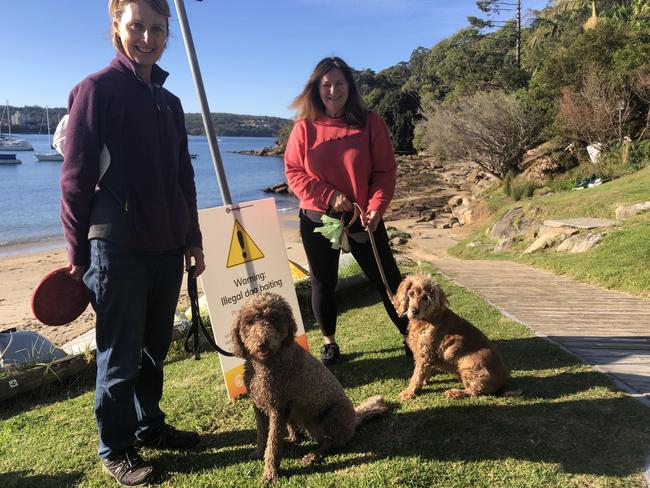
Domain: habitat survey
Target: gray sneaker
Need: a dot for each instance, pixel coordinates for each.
(127, 468)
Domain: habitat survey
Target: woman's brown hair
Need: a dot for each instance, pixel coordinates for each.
(116, 9)
(309, 105)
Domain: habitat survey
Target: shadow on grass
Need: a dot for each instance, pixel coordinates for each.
(25, 478)
(581, 436)
(215, 451)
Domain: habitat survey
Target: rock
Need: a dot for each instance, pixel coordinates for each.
(457, 200)
(549, 237)
(281, 188)
(580, 243)
(503, 245)
(627, 211)
(427, 217)
(505, 227)
(580, 223)
(397, 241)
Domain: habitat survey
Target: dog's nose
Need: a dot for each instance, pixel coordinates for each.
(415, 311)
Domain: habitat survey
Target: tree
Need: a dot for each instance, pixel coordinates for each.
(492, 129)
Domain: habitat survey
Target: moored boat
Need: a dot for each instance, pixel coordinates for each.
(9, 142)
(9, 159)
(52, 155)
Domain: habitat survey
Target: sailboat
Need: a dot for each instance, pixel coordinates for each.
(8, 142)
(51, 155)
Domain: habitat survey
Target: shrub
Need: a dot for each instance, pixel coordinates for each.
(492, 129)
(597, 113)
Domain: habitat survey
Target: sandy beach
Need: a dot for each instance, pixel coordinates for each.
(22, 267)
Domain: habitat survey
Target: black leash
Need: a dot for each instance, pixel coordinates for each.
(192, 341)
(376, 254)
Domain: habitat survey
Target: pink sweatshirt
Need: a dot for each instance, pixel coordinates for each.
(326, 155)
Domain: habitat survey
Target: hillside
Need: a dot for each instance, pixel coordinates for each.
(31, 120)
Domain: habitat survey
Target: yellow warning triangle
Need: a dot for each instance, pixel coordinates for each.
(242, 248)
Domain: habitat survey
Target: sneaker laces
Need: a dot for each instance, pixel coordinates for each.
(132, 460)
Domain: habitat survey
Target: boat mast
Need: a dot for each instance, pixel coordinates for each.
(49, 138)
(8, 118)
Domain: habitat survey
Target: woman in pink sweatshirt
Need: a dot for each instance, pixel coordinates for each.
(340, 153)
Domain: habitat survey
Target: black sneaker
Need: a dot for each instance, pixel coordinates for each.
(168, 438)
(330, 354)
(127, 468)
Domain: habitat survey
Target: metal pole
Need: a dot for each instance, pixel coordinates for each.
(205, 110)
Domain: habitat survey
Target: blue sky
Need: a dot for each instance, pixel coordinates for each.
(255, 55)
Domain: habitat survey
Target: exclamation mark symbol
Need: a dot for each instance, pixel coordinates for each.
(240, 238)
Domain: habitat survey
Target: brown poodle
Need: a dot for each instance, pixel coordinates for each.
(289, 387)
(442, 340)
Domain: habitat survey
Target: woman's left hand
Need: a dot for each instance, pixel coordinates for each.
(371, 220)
(199, 260)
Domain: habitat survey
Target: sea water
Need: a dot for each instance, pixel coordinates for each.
(30, 192)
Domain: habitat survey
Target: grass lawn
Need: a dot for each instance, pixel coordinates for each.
(569, 428)
(619, 262)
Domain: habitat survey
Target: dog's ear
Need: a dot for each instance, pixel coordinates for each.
(238, 348)
(287, 317)
(438, 296)
(400, 299)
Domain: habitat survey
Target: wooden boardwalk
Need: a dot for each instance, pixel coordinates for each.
(608, 330)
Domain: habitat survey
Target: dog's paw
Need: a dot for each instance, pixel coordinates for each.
(311, 458)
(256, 455)
(455, 393)
(269, 476)
(406, 395)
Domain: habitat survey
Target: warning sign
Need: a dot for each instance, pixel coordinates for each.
(242, 248)
(249, 260)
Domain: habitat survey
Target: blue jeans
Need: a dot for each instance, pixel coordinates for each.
(134, 294)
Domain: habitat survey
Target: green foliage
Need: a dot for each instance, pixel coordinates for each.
(399, 108)
(516, 188)
(284, 133)
(506, 183)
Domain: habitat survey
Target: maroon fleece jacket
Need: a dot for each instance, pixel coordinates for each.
(147, 198)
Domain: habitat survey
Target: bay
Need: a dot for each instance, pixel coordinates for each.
(30, 192)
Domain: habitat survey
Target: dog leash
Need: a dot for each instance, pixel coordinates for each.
(357, 212)
(192, 341)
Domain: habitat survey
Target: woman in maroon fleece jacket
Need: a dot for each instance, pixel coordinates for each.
(128, 225)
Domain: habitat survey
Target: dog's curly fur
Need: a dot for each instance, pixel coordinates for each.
(440, 339)
(289, 388)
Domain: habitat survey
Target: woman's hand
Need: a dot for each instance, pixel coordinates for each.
(199, 260)
(77, 271)
(371, 220)
(340, 203)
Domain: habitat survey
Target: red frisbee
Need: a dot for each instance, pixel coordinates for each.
(58, 298)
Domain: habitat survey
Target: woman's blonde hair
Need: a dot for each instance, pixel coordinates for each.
(309, 104)
(116, 9)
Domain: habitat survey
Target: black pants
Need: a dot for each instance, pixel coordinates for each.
(324, 269)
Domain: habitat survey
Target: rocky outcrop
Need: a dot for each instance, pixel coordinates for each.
(272, 151)
(580, 242)
(550, 237)
(506, 227)
(628, 211)
(280, 188)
